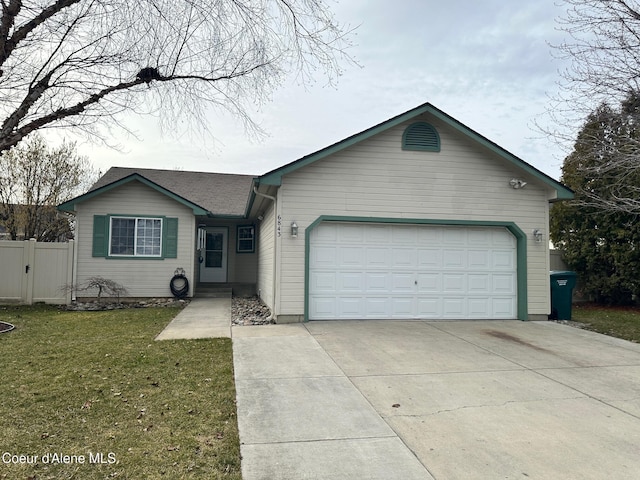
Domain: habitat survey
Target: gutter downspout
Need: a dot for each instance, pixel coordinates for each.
(275, 239)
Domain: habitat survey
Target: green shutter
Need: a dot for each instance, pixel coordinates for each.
(100, 235)
(170, 238)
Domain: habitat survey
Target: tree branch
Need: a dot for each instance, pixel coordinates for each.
(8, 44)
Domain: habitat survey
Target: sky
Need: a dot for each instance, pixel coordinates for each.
(487, 63)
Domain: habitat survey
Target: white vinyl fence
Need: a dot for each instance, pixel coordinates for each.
(33, 272)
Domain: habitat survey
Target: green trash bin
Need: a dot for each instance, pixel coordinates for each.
(562, 285)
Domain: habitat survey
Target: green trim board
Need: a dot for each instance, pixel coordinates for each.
(520, 236)
(70, 205)
(274, 177)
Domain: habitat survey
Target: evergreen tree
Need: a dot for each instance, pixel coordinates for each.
(602, 245)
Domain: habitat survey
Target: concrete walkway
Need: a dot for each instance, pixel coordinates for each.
(202, 318)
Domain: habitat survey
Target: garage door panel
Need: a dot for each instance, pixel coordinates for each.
(378, 258)
(401, 307)
(479, 307)
(377, 283)
(327, 234)
(454, 236)
(429, 307)
(351, 234)
(480, 237)
(429, 259)
(502, 260)
(323, 256)
(402, 283)
(323, 282)
(404, 235)
(323, 308)
(454, 282)
(429, 283)
(479, 260)
(453, 307)
(479, 283)
(377, 307)
(350, 307)
(503, 308)
(379, 235)
(403, 258)
(504, 284)
(411, 271)
(351, 282)
(502, 238)
(454, 259)
(351, 257)
(429, 236)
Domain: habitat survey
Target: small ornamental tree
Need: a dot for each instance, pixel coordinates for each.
(34, 178)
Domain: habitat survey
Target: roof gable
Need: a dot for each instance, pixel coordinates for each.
(274, 177)
(213, 194)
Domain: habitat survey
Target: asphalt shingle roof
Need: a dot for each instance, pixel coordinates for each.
(219, 193)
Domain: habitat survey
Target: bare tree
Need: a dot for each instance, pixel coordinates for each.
(33, 180)
(603, 50)
(79, 63)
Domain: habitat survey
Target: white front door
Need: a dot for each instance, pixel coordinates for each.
(213, 267)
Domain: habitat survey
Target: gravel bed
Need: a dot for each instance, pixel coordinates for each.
(571, 323)
(249, 311)
(109, 305)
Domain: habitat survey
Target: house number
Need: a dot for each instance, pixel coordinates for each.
(279, 225)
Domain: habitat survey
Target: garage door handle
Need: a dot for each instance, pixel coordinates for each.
(415, 282)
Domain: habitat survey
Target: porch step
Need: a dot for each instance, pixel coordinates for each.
(209, 291)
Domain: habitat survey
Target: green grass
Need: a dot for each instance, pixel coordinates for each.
(620, 322)
(89, 383)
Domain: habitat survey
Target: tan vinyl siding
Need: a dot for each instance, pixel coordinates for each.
(142, 277)
(376, 178)
(266, 247)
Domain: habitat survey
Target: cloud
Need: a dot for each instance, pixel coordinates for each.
(486, 63)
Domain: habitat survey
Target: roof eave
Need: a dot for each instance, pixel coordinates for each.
(70, 206)
(274, 177)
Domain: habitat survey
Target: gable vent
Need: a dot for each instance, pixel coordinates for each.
(421, 136)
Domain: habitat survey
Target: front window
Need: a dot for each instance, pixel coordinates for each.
(136, 237)
(246, 239)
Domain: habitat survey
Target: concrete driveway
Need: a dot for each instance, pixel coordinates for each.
(436, 400)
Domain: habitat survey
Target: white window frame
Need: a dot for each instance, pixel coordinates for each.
(135, 237)
(252, 239)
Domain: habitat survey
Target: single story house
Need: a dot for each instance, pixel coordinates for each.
(416, 217)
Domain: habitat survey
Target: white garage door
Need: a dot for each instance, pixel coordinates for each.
(381, 271)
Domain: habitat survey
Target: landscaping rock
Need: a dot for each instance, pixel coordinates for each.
(249, 311)
(108, 305)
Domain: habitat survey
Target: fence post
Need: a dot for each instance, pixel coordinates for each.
(28, 269)
(70, 256)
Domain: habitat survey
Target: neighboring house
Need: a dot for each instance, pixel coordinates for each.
(416, 217)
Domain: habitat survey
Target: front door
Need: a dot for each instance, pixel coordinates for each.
(213, 267)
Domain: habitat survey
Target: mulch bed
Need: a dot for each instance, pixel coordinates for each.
(5, 327)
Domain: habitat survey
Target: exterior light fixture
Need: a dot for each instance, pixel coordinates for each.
(294, 230)
(517, 183)
(537, 235)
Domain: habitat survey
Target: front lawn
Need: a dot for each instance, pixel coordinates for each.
(91, 395)
(621, 322)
